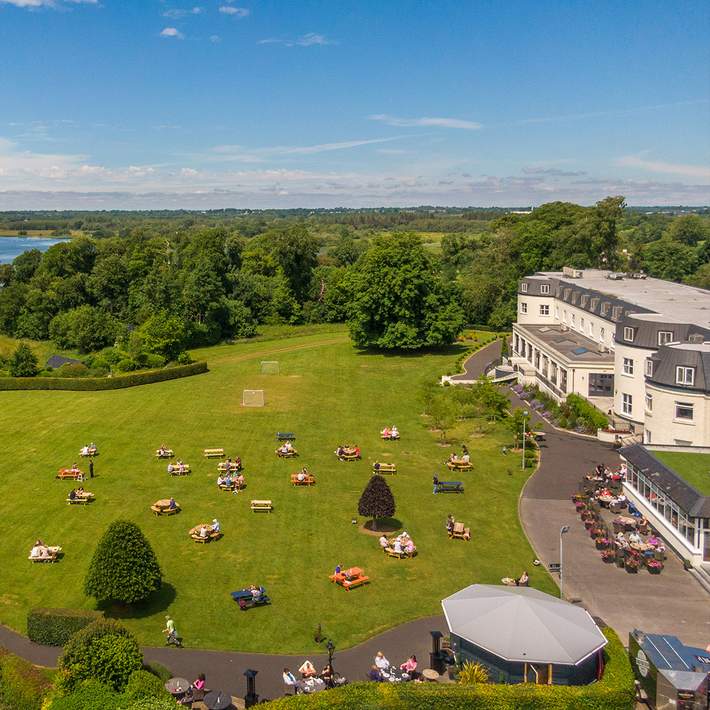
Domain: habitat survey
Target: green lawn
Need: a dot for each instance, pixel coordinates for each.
(327, 393)
(693, 468)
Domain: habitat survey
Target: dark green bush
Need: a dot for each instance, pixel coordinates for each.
(89, 695)
(22, 685)
(53, 627)
(104, 651)
(102, 383)
(142, 684)
(615, 691)
(591, 417)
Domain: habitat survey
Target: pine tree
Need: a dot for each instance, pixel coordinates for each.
(124, 567)
(23, 362)
(376, 500)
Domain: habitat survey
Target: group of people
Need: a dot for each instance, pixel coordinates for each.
(89, 449)
(303, 474)
(178, 467)
(464, 458)
(40, 551)
(402, 544)
(230, 465)
(77, 493)
(342, 451)
(233, 482)
(286, 448)
(382, 670)
(163, 451)
(310, 679)
(207, 530)
(390, 432)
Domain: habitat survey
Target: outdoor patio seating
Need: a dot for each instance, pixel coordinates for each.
(378, 467)
(164, 453)
(214, 453)
(350, 578)
(209, 536)
(162, 507)
(264, 506)
(459, 465)
(308, 479)
(448, 487)
(73, 474)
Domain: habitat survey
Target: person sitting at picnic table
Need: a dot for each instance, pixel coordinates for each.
(410, 665)
(215, 526)
(621, 540)
(326, 675)
(203, 531)
(195, 692)
(171, 468)
(290, 680)
(340, 451)
(386, 433)
(302, 474)
(465, 458)
(85, 450)
(375, 674)
(523, 580)
(409, 547)
(635, 538)
(338, 569)
(397, 547)
(38, 550)
(450, 520)
(307, 669)
(220, 480)
(394, 432)
(381, 661)
(384, 542)
(74, 468)
(356, 451)
(172, 504)
(72, 494)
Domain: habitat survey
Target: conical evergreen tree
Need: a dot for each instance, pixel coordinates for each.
(124, 567)
(376, 500)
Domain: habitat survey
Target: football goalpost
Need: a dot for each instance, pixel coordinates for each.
(253, 398)
(269, 367)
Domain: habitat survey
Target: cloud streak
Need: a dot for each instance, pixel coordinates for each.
(661, 166)
(426, 122)
(36, 4)
(310, 39)
(172, 33)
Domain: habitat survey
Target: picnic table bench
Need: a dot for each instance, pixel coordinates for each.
(162, 507)
(81, 499)
(285, 436)
(247, 599)
(309, 480)
(214, 453)
(350, 578)
(262, 505)
(88, 451)
(460, 532)
(457, 465)
(378, 467)
(286, 454)
(231, 467)
(211, 534)
(179, 470)
(448, 487)
(164, 454)
(51, 554)
(401, 555)
(233, 486)
(70, 473)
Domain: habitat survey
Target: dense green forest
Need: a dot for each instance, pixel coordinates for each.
(159, 282)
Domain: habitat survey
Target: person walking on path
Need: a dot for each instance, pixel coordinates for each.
(172, 636)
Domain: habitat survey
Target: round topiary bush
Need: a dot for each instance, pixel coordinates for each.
(103, 651)
(143, 684)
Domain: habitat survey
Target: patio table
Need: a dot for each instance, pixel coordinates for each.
(177, 686)
(217, 700)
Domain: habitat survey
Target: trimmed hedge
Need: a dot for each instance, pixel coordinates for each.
(615, 691)
(22, 685)
(586, 411)
(53, 627)
(102, 383)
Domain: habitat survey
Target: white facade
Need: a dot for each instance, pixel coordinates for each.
(619, 343)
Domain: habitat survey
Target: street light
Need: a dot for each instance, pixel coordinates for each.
(564, 529)
(525, 418)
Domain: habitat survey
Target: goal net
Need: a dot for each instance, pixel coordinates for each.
(269, 367)
(253, 398)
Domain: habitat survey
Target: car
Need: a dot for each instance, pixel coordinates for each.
(247, 599)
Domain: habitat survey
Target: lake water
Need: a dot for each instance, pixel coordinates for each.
(10, 247)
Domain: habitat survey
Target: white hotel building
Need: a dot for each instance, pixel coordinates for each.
(637, 348)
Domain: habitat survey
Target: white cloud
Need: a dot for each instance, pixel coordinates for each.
(238, 12)
(177, 13)
(215, 39)
(56, 4)
(426, 121)
(660, 166)
(310, 39)
(172, 32)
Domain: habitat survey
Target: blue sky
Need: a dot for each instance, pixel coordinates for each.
(257, 103)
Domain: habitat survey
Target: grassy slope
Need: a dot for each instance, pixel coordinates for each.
(327, 393)
(694, 468)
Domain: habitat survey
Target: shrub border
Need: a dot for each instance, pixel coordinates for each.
(92, 384)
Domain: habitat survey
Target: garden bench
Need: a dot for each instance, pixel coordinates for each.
(80, 500)
(214, 453)
(166, 454)
(285, 436)
(262, 505)
(309, 480)
(384, 468)
(286, 454)
(448, 487)
(175, 471)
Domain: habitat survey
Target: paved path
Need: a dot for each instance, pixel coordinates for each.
(225, 670)
(475, 365)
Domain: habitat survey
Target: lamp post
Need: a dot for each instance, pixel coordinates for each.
(525, 418)
(564, 529)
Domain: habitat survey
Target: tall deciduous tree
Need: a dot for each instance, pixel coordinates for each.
(376, 500)
(124, 567)
(400, 298)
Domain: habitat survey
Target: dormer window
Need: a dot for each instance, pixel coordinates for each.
(665, 336)
(544, 289)
(616, 312)
(649, 367)
(605, 308)
(583, 301)
(594, 303)
(628, 334)
(524, 286)
(685, 376)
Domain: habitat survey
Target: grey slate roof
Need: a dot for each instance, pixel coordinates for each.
(58, 360)
(568, 344)
(692, 355)
(522, 624)
(678, 490)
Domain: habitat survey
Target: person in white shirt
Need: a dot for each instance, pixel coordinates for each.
(398, 546)
(394, 432)
(381, 662)
(635, 538)
(383, 542)
(215, 526)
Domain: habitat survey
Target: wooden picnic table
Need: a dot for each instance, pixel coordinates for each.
(162, 507)
(349, 578)
(214, 453)
(308, 480)
(379, 467)
(458, 465)
(82, 498)
(72, 473)
(211, 534)
(262, 506)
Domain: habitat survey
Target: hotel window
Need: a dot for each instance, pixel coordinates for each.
(605, 309)
(649, 367)
(665, 336)
(626, 403)
(545, 288)
(590, 328)
(544, 310)
(684, 410)
(649, 405)
(523, 307)
(524, 287)
(564, 316)
(602, 333)
(685, 376)
(628, 366)
(628, 334)
(581, 324)
(574, 320)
